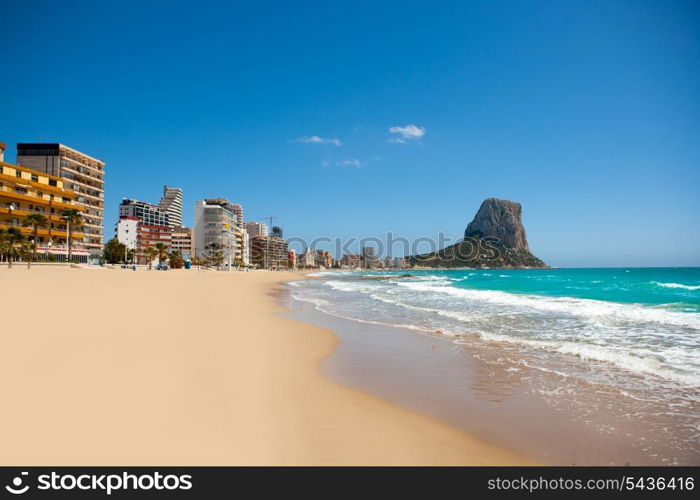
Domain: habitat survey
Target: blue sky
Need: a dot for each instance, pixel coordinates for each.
(588, 113)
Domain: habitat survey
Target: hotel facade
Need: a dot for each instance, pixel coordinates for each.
(25, 191)
(80, 173)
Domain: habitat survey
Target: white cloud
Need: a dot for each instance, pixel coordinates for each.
(350, 162)
(407, 133)
(314, 139)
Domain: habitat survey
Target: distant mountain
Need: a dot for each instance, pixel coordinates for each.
(494, 238)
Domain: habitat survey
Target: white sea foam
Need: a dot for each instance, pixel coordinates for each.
(323, 306)
(645, 340)
(568, 305)
(608, 354)
(677, 285)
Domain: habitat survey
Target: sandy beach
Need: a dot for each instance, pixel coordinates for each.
(106, 367)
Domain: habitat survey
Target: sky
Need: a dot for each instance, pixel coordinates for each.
(355, 119)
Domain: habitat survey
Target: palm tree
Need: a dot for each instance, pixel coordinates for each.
(130, 255)
(4, 244)
(28, 250)
(12, 237)
(162, 249)
(150, 253)
(36, 221)
(73, 217)
(176, 260)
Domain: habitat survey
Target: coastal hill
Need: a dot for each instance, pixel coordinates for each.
(494, 238)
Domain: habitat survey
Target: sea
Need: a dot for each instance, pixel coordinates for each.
(573, 366)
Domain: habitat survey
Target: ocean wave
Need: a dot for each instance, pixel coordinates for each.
(621, 357)
(587, 308)
(625, 360)
(323, 306)
(641, 339)
(677, 285)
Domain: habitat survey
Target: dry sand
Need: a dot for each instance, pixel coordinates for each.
(107, 367)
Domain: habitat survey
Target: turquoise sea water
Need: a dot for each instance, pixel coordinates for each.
(643, 320)
(673, 288)
(572, 334)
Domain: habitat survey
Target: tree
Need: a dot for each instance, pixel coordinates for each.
(131, 255)
(162, 249)
(28, 251)
(150, 253)
(73, 217)
(4, 243)
(114, 251)
(36, 221)
(11, 238)
(176, 260)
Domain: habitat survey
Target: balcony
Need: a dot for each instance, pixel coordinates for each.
(23, 212)
(67, 161)
(60, 233)
(33, 198)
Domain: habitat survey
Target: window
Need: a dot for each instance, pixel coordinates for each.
(35, 178)
(53, 182)
(18, 174)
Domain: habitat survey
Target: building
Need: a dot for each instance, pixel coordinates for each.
(244, 246)
(324, 259)
(238, 210)
(399, 262)
(307, 258)
(256, 229)
(137, 235)
(127, 229)
(183, 242)
(25, 191)
(369, 257)
(268, 252)
(82, 174)
(351, 260)
(215, 232)
(277, 232)
(292, 258)
(146, 212)
(171, 204)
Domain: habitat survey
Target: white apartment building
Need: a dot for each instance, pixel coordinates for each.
(127, 232)
(171, 203)
(215, 232)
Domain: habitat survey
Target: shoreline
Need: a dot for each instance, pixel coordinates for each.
(556, 407)
(170, 368)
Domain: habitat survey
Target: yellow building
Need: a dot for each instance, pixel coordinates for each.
(23, 192)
